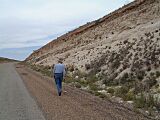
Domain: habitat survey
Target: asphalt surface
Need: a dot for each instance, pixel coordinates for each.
(15, 101)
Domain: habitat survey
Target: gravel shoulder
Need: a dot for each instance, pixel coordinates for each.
(15, 101)
(74, 104)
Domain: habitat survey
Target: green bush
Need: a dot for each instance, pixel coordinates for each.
(140, 101)
(45, 70)
(93, 87)
(87, 66)
(92, 78)
(77, 85)
(69, 79)
(102, 96)
(151, 82)
(130, 96)
(110, 90)
(70, 68)
(83, 82)
(121, 92)
(146, 101)
(157, 74)
(140, 74)
(110, 81)
(99, 94)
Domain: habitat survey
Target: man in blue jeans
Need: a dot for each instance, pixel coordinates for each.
(59, 72)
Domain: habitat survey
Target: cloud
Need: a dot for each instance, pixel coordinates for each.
(17, 53)
(128, 1)
(31, 21)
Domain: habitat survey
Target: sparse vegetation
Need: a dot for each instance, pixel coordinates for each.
(111, 90)
(157, 74)
(3, 60)
(87, 66)
(147, 101)
(121, 91)
(45, 70)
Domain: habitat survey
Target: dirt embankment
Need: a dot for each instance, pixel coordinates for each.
(74, 104)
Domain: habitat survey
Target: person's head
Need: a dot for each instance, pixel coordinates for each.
(60, 60)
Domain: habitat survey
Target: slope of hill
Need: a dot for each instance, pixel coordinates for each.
(88, 42)
(122, 48)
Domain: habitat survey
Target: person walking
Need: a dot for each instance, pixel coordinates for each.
(59, 73)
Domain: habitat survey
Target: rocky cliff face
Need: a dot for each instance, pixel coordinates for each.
(121, 44)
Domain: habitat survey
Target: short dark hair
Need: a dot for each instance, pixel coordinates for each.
(60, 60)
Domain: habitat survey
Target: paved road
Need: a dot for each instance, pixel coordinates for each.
(15, 101)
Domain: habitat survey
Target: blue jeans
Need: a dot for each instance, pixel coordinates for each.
(58, 79)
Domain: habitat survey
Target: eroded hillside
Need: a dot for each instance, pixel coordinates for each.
(120, 49)
(126, 41)
(92, 40)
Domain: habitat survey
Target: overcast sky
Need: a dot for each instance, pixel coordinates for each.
(28, 23)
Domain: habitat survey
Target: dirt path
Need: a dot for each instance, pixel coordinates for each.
(15, 101)
(73, 105)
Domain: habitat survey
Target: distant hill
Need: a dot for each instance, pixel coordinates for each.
(4, 60)
(17, 53)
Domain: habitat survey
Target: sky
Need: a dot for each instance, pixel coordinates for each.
(26, 25)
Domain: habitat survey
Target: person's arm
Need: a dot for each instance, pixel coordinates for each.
(54, 70)
(64, 72)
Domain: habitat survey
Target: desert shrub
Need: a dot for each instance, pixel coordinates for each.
(115, 64)
(45, 70)
(87, 66)
(79, 73)
(102, 96)
(83, 82)
(121, 92)
(152, 74)
(69, 79)
(146, 101)
(91, 78)
(150, 101)
(139, 87)
(156, 31)
(140, 74)
(96, 64)
(70, 68)
(126, 41)
(77, 85)
(150, 82)
(124, 78)
(130, 96)
(140, 101)
(110, 90)
(149, 68)
(93, 87)
(108, 81)
(97, 93)
(157, 73)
